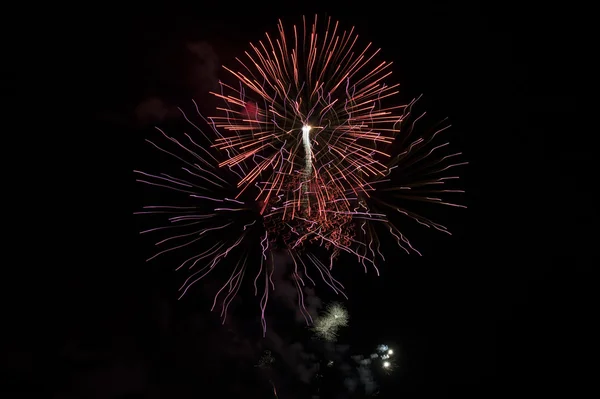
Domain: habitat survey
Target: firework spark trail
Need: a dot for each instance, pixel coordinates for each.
(219, 225)
(214, 222)
(274, 390)
(264, 243)
(416, 172)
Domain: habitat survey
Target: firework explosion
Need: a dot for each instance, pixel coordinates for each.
(307, 109)
(213, 226)
(328, 324)
(230, 232)
(305, 145)
(334, 367)
(385, 356)
(310, 109)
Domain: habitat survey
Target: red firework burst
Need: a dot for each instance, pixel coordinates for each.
(308, 103)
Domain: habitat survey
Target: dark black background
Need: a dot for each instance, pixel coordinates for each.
(503, 307)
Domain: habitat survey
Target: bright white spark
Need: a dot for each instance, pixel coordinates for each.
(307, 149)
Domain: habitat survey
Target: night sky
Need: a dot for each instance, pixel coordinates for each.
(503, 307)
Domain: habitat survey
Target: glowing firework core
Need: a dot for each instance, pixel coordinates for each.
(307, 149)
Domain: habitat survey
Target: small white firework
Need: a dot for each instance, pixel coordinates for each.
(386, 354)
(327, 325)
